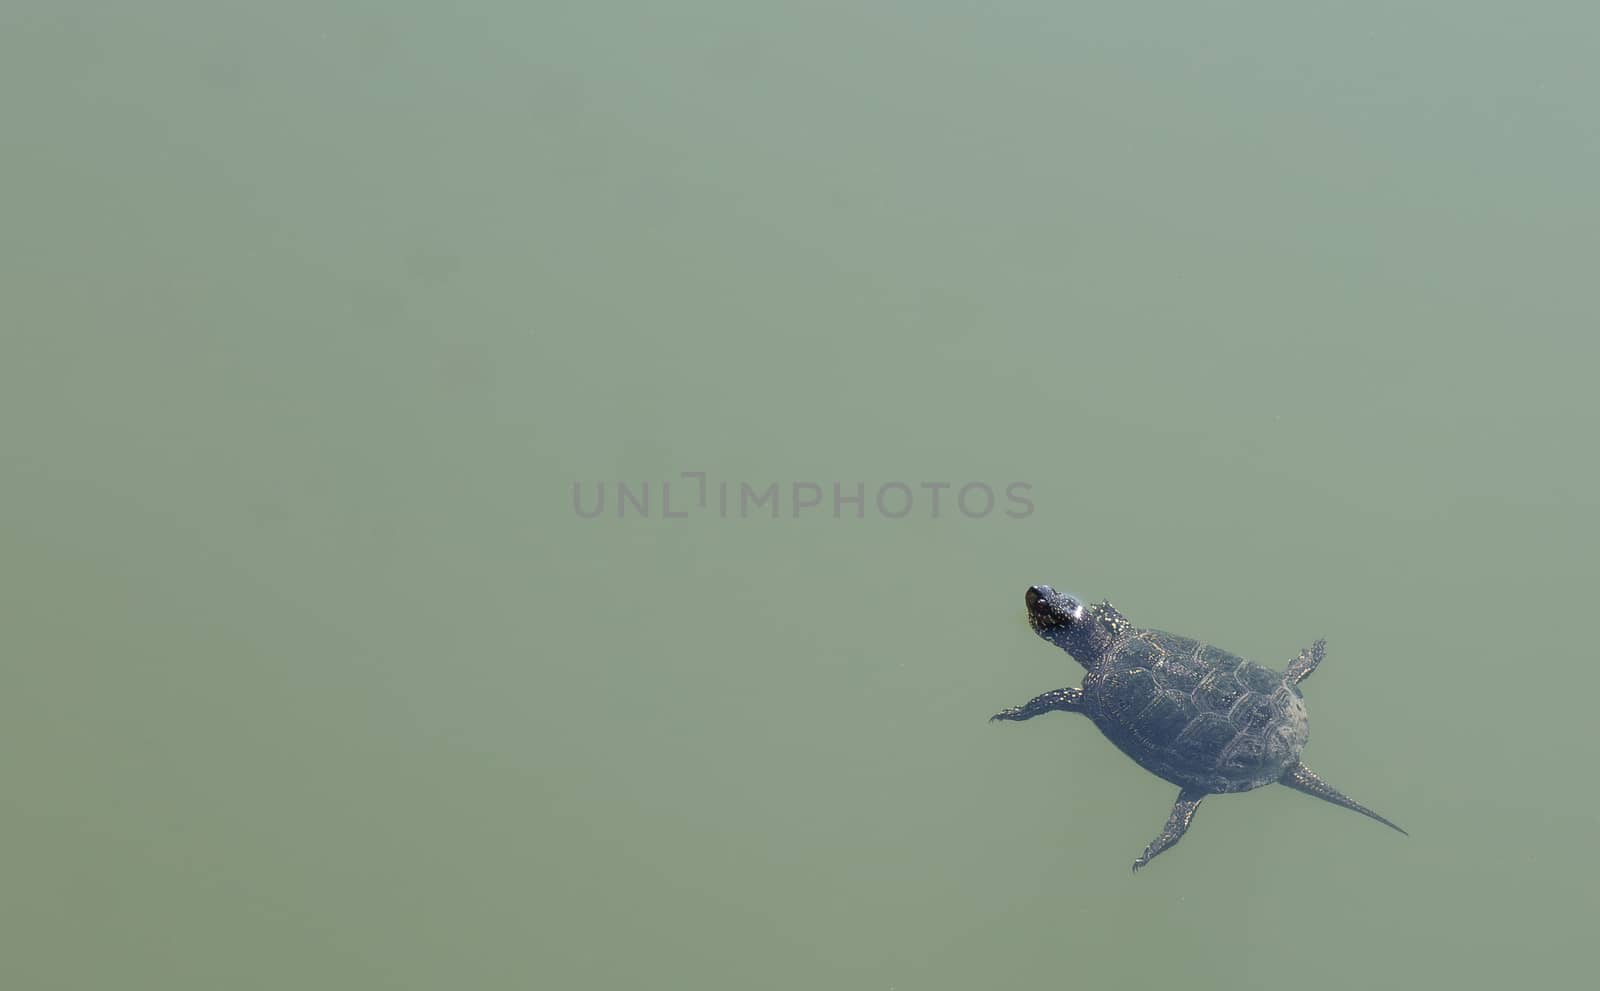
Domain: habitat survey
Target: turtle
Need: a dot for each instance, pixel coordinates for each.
(1193, 714)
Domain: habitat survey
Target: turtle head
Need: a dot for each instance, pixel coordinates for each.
(1062, 619)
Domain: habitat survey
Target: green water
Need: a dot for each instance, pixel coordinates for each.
(315, 314)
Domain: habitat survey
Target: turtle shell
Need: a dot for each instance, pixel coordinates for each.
(1194, 714)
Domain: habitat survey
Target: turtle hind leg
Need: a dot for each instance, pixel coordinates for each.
(1301, 667)
(1177, 823)
(1302, 778)
(1060, 700)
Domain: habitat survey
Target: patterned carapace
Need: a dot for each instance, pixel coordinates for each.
(1204, 719)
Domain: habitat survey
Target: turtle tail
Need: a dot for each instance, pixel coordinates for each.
(1302, 778)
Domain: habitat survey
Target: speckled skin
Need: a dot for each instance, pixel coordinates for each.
(1206, 720)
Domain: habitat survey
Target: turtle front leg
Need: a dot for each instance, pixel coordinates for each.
(1062, 700)
(1182, 814)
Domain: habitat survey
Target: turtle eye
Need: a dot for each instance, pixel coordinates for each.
(1047, 607)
